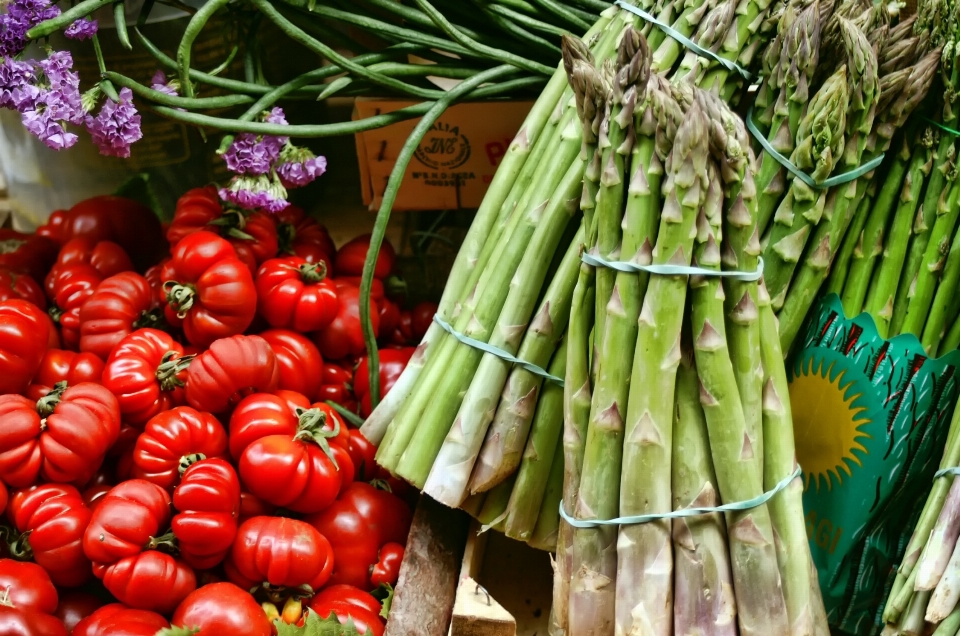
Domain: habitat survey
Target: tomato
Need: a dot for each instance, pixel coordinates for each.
(229, 370)
(93, 495)
(106, 257)
(62, 437)
(295, 294)
(15, 622)
(252, 506)
(27, 253)
(208, 499)
(301, 366)
(150, 580)
(68, 288)
(301, 235)
(365, 621)
(387, 569)
(422, 317)
(108, 218)
(4, 497)
(377, 291)
(389, 318)
(23, 286)
(253, 236)
(23, 341)
(336, 374)
(174, 439)
(117, 619)
(120, 305)
(127, 519)
(64, 366)
(75, 606)
(363, 453)
(392, 364)
(348, 595)
(146, 372)
(51, 520)
(53, 335)
(344, 336)
(351, 256)
(220, 609)
(358, 524)
(283, 553)
(27, 587)
(262, 414)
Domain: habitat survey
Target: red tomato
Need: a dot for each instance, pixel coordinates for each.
(363, 453)
(422, 317)
(174, 439)
(15, 622)
(387, 569)
(18, 285)
(106, 257)
(262, 414)
(377, 290)
(220, 609)
(344, 336)
(351, 256)
(229, 370)
(68, 289)
(24, 334)
(53, 335)
(27, 253)
(150, 580)
(126, 521)
(301, 366)
(52, 519)
(208, 499)
(364, 620)
(335, 374)
(64, 366)
(392, 364)
(403, 334)
(251, 506)
(208, 288)
(93, 495)
(27, 587)
(294, 294)
(4, 498)
(358, 524)
(146, 372)
(349, 595)
(120, 305)
(75, 606)
(389, 318)
(253, 236)
(301, 235)
(282, 552)
(108, 218)
(62, 438)
(119, 620)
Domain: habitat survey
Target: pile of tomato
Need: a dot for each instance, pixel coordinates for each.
(177, 411)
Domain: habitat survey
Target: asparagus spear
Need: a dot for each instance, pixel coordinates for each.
(942, 541)
(494, 511)
(852, 251)
(943, 302)
(546, 533)
(943, 602)
(950, 624)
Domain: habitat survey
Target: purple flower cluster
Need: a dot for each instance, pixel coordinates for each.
(266, 165)
(82, 29)
(116, 126)
(20, 17)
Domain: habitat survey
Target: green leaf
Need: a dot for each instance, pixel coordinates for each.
(138, 188)
(385, 594)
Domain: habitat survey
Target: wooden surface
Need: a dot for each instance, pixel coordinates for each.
(520, 579)
(477, 613)
(423, 603)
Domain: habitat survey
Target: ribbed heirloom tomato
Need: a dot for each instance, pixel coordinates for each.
(59, 365)
(229, 370)
(280, 552)
(24, 333)
(146, 372)
(107, 257)
(344, 336)
(15, 285)
(174, 439)
(117, 619)
(301, 367)
(68, 288)
(221, 609)
(120, 305)
(75, 606)
(62, 437)
(295, 294)
(301, 235)
(27, 253)
(208, 289)
(51, 520)
(208, 501)
(347, 602)
(30, 600)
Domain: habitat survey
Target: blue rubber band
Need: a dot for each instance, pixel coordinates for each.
(496, 351)
(685, 512)
(684, 40)
(955, 133)
(943, 472)
(671, 270)
(839, 179)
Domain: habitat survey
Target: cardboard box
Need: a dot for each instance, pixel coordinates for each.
(455, 162)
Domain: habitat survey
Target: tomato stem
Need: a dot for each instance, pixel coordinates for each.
(189, 460)
(167, 541)
(171, 367)
(313, 272)
(47, 404)
(20, 546)
(55, 313)
(180, 297)
(311, 428)
(231, 224)
(152, 319)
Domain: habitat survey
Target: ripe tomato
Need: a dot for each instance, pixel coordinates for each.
(301, 366)
(15, 622)
(150, 580)
(23, 286)
(120, 305)
(301, 235)
(117, 619)
(51, 520)
(295, 294)
(283, 553)
(422, 317)
(220, 609)
(229, 370)
(174, 439)
(68, 288)
(208, 499)
(253, 236)
(208, 289)
(251, 506)
(75, 606)
(363, 453)
(349, 595)
(348, 602)
(27, 587)
(93, 495)
(24, 332)
(387, 569)
(27, 253)
(358, 524)
(351, 256)
(389, 319)
(146, 372)
(62, 437)
(106, 257)
(262, 414)
(64, 366)
(344, 336)
(127, 519)
(392, 364)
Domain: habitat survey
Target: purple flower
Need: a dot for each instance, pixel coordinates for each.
(21, 15)
(296, 174)
(48, 97)
(16, 84)
(255, 192)
(116, 127)
(82, 29)
(251, 154)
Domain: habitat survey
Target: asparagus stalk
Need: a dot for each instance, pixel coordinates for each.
(950, 624)
(534, 473)
(943, 602)
(494, 511)
(852, 251)
(666, 50)
(944, 302)
(942, 541)
(546, 533)
(704, 602)
(643, 399)
(709, 36)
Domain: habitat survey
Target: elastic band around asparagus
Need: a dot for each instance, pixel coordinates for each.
(667, 269)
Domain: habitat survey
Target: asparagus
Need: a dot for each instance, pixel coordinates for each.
(946, 296)
(535, 470)
(852, 251)
(942, 541)
(546, 532)
(943, 602)
(494, 510)
(644, 552)
(950, 624)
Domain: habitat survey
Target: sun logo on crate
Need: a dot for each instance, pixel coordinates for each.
(828, 423)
